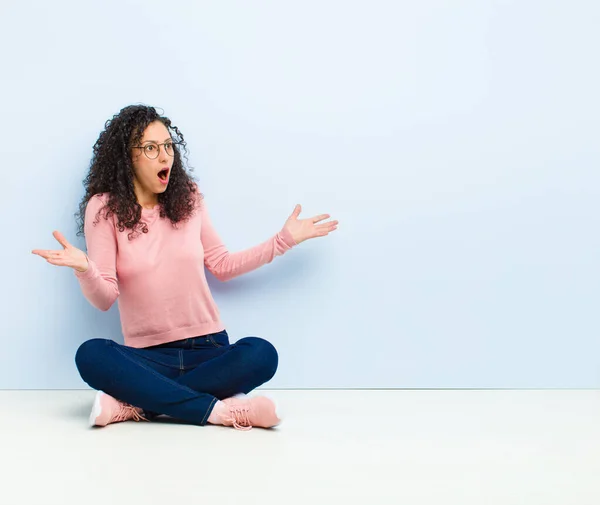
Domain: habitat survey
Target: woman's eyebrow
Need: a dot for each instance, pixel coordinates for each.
(155, 141)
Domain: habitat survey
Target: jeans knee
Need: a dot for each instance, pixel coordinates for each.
(265, 357)
(89, 356)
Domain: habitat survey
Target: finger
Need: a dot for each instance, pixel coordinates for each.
(331, 224)
(53, 254)
(327, 231)
(41, 252)
(61, 238)
(320, 217)
(297, 210)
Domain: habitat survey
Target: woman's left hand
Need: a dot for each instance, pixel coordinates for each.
(303, 229)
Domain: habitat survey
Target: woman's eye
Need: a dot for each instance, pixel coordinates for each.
(150, 148)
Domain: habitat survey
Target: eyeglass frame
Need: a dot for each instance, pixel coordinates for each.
(150, 143)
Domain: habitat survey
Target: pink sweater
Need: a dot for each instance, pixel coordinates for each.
(159, 276)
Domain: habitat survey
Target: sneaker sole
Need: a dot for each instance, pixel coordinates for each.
(96, 409)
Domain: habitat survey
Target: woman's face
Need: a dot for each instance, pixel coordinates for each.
(152, 164)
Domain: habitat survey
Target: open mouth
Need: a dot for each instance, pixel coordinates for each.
(163, 174)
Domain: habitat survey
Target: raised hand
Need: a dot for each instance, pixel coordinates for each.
(69, 256)
(304, 229)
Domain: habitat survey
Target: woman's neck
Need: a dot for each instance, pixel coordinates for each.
(147, 200)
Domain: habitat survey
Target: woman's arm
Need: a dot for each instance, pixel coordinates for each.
(225, 265)
(99, 282)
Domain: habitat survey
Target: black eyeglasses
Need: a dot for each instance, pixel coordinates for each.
(151, 150)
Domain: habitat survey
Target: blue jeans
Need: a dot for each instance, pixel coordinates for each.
(182, 379)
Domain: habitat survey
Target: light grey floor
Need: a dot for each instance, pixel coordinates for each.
(347, 447)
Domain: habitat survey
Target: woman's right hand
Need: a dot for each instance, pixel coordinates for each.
(69, 257)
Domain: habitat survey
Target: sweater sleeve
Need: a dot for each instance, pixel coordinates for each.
(99, 282)
(225, 265)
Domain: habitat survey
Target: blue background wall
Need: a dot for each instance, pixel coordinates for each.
(456, 142)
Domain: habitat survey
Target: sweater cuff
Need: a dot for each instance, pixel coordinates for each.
(287, 238)
(89, 273)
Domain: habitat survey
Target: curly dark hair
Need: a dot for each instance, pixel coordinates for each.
(111, 171)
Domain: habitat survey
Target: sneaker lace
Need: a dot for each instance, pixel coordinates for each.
(240, 417)
(127, 412)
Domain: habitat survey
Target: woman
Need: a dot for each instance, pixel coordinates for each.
(148, 236)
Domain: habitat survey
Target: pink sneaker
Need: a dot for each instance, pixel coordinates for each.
(108, 410)
(244, 413)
